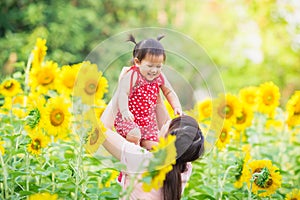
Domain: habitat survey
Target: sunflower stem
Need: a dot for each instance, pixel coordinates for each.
(27, 171)
(224, 179)
(27, 73)
(79, 170)
(5, 194)
(53, 178)
(249, 190)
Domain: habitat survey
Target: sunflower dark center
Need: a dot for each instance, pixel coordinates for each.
(263, 179)
(90, 87)
(45, 78)
(36, 144)
(223, 136)
(8, 85)
(241, 119)
(94, 137)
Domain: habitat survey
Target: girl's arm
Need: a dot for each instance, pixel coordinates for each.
(171, 96)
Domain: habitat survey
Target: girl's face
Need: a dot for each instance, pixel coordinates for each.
(150, 67)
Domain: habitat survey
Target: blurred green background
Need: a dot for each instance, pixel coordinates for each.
(250, 41)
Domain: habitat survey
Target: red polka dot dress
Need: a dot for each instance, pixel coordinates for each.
(142, 102)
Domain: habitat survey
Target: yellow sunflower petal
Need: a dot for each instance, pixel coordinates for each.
(293, 110)
(39, 52)
(44, 195)
(204, 109)
(66, 79)
(2, 150)
(165, 154)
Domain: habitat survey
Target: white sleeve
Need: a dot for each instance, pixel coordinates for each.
(185, 176)
(134, 157)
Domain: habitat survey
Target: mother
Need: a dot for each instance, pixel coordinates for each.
(189, 145)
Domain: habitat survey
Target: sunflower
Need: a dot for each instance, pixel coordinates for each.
(34, 112)
(243, 173)
(294, 195)
(43, 78)
(244, 119)
(66, 79)
(204, 109)
(44, 195)
(267, 178)
(274, 124)
(268, 98)
(90, 84)
(95, 137)
(10, 88)
(38, 141)
(39, 52)
(57, 117)
(5, 104)
(224, 137)
(293, 110)
(18, 104)
(164, 156)
(249, 96)
(93, 114)
(227, 106)
(2, 150)
(107, 177)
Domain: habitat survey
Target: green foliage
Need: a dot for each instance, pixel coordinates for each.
(250, 41)
(72, 28)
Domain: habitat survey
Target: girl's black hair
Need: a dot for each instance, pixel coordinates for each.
(189, 147)
(147, 46)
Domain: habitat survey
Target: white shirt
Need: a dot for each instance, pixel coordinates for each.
(136, 160)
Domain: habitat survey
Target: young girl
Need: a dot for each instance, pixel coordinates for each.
(138, 94)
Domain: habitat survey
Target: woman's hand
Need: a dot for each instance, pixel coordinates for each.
(164, 129)
(127, 116)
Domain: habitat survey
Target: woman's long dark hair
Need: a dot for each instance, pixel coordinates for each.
(189, 146)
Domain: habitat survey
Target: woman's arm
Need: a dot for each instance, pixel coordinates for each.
(124, 89)
(162, 115)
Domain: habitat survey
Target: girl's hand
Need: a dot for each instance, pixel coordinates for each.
(127, 116)
(178, 111)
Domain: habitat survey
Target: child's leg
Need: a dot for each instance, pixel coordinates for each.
(148, 144)
(134, 136)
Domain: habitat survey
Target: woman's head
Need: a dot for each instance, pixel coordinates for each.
(189, 138)
(189, 146)
(149, 56)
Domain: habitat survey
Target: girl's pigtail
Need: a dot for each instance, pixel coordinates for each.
(160, 37)
(131, 39)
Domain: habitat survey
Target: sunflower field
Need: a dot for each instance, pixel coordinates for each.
(49, 135)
